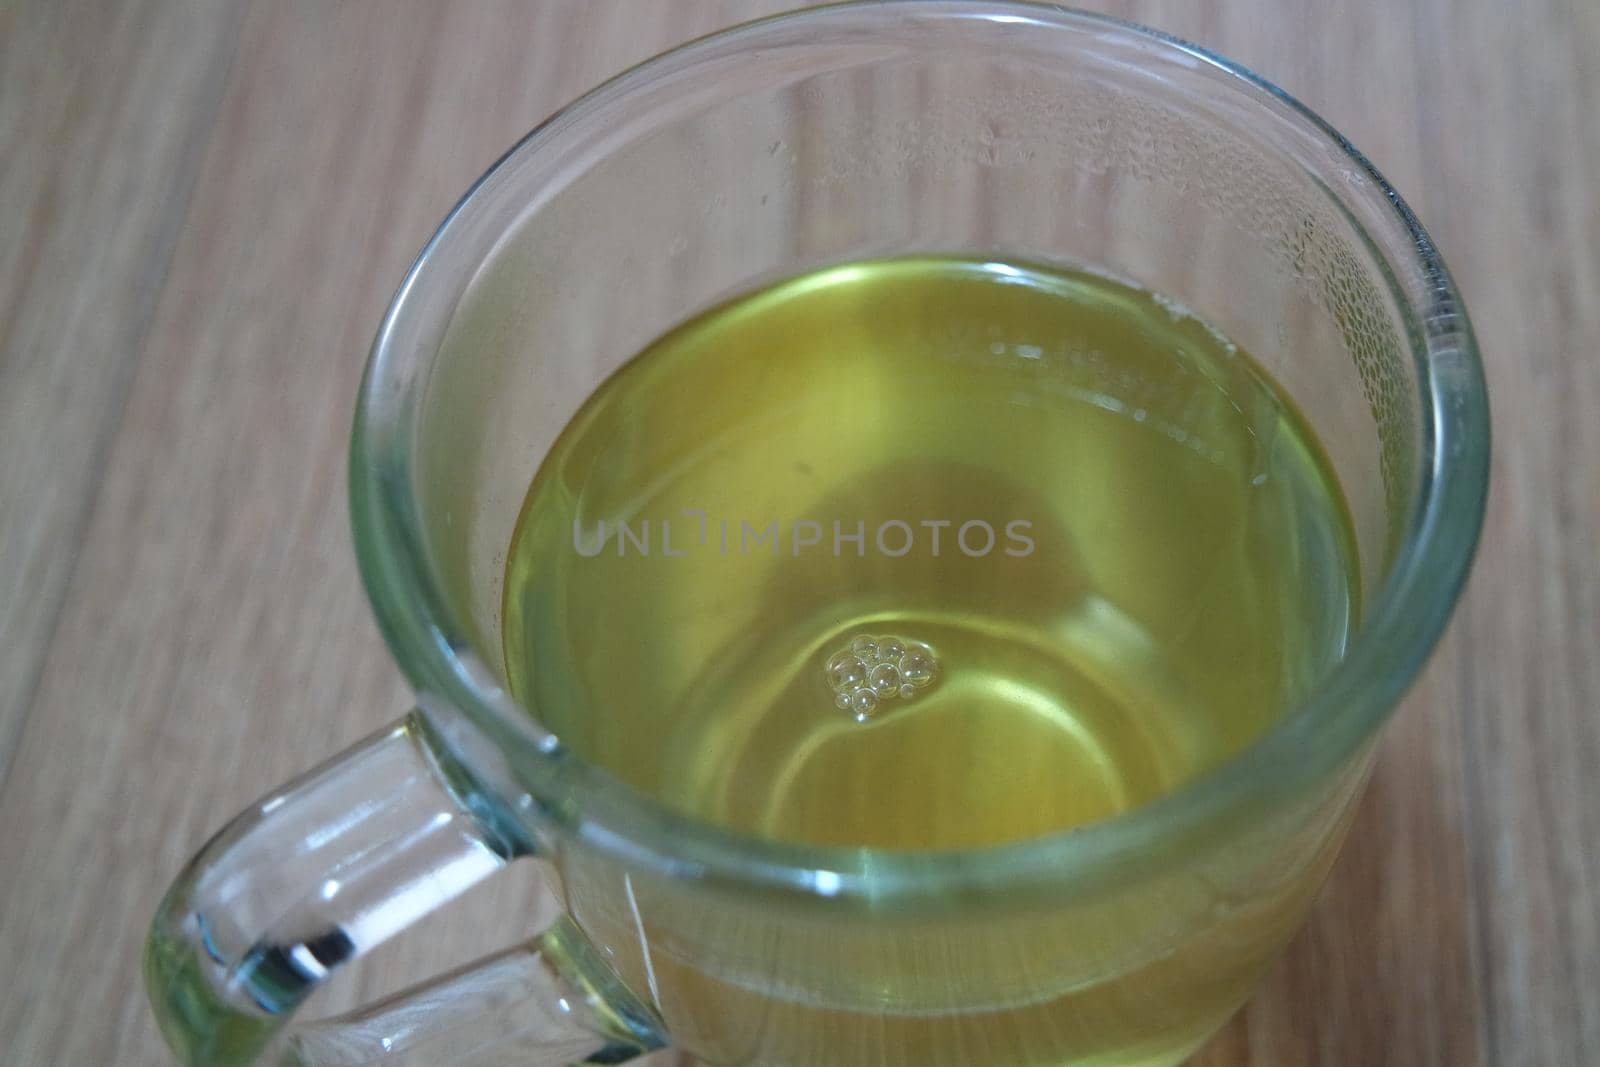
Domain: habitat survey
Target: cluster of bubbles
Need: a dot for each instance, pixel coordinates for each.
(874, 669)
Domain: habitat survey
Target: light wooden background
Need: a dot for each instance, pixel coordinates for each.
(204, 207)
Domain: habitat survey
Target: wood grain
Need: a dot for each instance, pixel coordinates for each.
(103, 114)
(205, 209)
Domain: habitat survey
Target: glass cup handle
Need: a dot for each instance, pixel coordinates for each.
(331, 866)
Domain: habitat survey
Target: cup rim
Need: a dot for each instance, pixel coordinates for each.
(1403, 623)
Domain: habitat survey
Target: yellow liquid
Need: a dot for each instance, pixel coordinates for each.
(1170, 568)
(1113, 541)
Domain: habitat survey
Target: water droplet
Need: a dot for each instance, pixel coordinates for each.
(890, 649)
(907, 689)
(842, 701)
(865, 647)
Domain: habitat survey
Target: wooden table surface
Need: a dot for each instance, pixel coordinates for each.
(204, 207)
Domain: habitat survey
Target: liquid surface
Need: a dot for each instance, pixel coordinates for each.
(1092, 549)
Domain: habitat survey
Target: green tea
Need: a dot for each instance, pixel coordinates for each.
(927, 554)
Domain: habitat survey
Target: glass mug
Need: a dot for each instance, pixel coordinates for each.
(827, 136)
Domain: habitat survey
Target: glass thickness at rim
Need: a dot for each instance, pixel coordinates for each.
(1401, 628)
